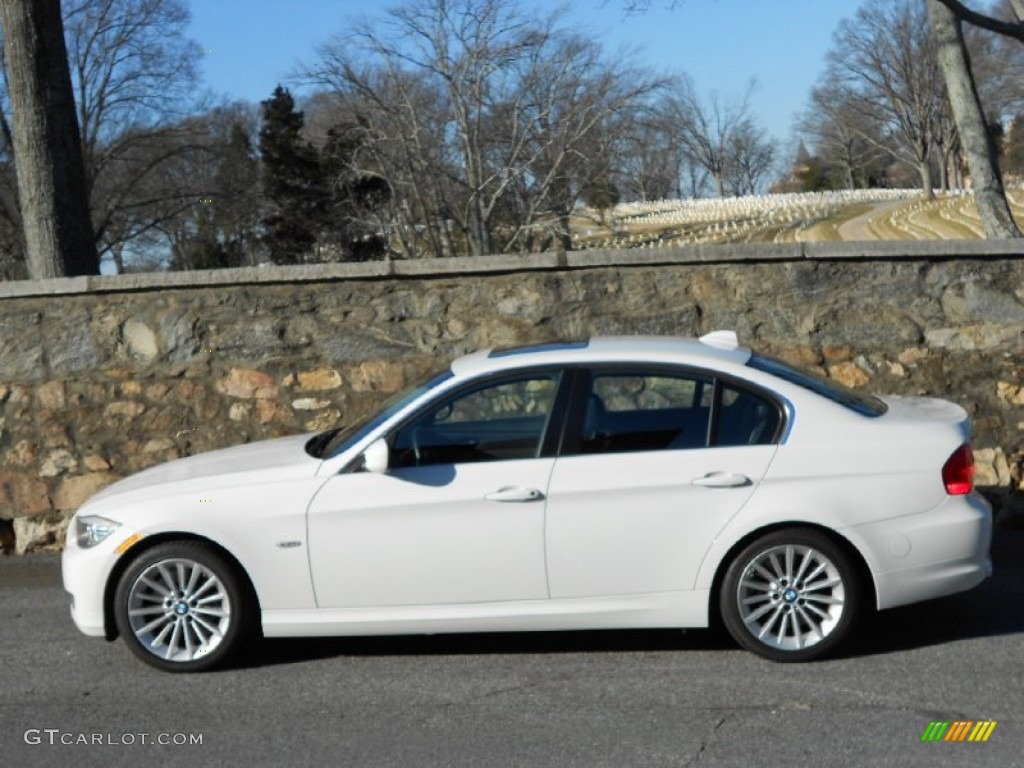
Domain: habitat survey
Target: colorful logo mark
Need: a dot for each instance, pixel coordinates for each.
(958, 730)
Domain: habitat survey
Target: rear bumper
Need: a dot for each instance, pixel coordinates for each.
(935, 553)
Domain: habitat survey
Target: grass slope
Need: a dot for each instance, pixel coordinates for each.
(775, 219)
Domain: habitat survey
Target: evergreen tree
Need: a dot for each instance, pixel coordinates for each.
(815, 176)
(292, 182)
(204, 249)
(601, 195)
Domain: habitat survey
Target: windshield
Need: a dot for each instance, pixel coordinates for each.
(864, 404)
(334, 441)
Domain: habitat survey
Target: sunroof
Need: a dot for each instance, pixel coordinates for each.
(551, 346)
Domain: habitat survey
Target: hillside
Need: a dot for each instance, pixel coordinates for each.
(870, 214)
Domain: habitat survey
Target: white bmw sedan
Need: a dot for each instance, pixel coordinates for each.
(615, 483)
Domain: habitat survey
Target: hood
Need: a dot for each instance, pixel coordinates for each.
(284, 457)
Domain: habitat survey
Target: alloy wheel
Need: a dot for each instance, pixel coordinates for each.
(179, 609)
(791, 597)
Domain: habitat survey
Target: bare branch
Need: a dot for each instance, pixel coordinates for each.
(992, 24)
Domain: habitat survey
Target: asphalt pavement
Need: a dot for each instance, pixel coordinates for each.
(588, 699)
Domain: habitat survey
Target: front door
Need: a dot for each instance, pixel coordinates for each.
(458, 517)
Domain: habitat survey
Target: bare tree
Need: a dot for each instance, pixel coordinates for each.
(708, 130)
(842, 135)
(752, 159)
(134, 75)
(885, 57)
(206, 179)
(402, 118)
(457, 49)
(649, 158)
(481, 120)
(576, 108)
(467, 46)
(47, 149)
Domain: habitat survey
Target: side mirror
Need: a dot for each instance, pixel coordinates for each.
(377, 456)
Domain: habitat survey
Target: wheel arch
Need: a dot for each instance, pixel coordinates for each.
(148, 543)
(863, 570)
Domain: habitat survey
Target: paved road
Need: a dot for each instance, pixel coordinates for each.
(578, 699)
(859, 227)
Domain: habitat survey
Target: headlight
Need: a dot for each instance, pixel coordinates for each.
(92, 529)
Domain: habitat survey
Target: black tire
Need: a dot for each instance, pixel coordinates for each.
(791, 595)
(182, 607)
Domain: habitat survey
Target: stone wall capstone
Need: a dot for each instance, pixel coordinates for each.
(102, 377)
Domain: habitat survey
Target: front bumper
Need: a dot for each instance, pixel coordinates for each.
(931, 554)
(85, 573)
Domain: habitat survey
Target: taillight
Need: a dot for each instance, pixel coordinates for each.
(958, 471)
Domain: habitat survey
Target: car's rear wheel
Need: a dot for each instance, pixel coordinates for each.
(792, 595)
(182, 607)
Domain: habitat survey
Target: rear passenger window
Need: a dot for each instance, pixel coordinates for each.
(745, 419)
(638, 412)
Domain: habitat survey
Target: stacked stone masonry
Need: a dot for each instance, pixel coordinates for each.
(102, 378)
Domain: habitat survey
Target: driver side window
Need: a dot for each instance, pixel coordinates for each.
(499, 420)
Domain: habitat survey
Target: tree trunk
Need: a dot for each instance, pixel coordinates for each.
(970, 120)
(563, 239)
(479, 237)
(924, 169)
(943, 166)
(47, 149)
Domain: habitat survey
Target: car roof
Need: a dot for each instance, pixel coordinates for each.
(712, 350)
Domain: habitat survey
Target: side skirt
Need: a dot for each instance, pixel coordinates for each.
(665, 609)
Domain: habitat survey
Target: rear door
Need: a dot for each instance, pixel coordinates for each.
(655, 462)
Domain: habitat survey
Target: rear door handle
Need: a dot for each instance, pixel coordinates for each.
(515, 493)
(722, 480)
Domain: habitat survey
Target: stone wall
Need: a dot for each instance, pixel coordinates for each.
(102, 377)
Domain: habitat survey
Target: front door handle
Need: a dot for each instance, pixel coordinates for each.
(722, 480)
(515, 493)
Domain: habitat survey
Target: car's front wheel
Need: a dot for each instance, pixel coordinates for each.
(792, 595)
(182, 607)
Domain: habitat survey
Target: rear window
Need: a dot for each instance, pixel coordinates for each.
(862, 403)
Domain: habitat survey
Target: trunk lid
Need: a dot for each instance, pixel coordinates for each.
(910, 411)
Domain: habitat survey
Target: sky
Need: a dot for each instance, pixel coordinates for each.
(252, 45)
